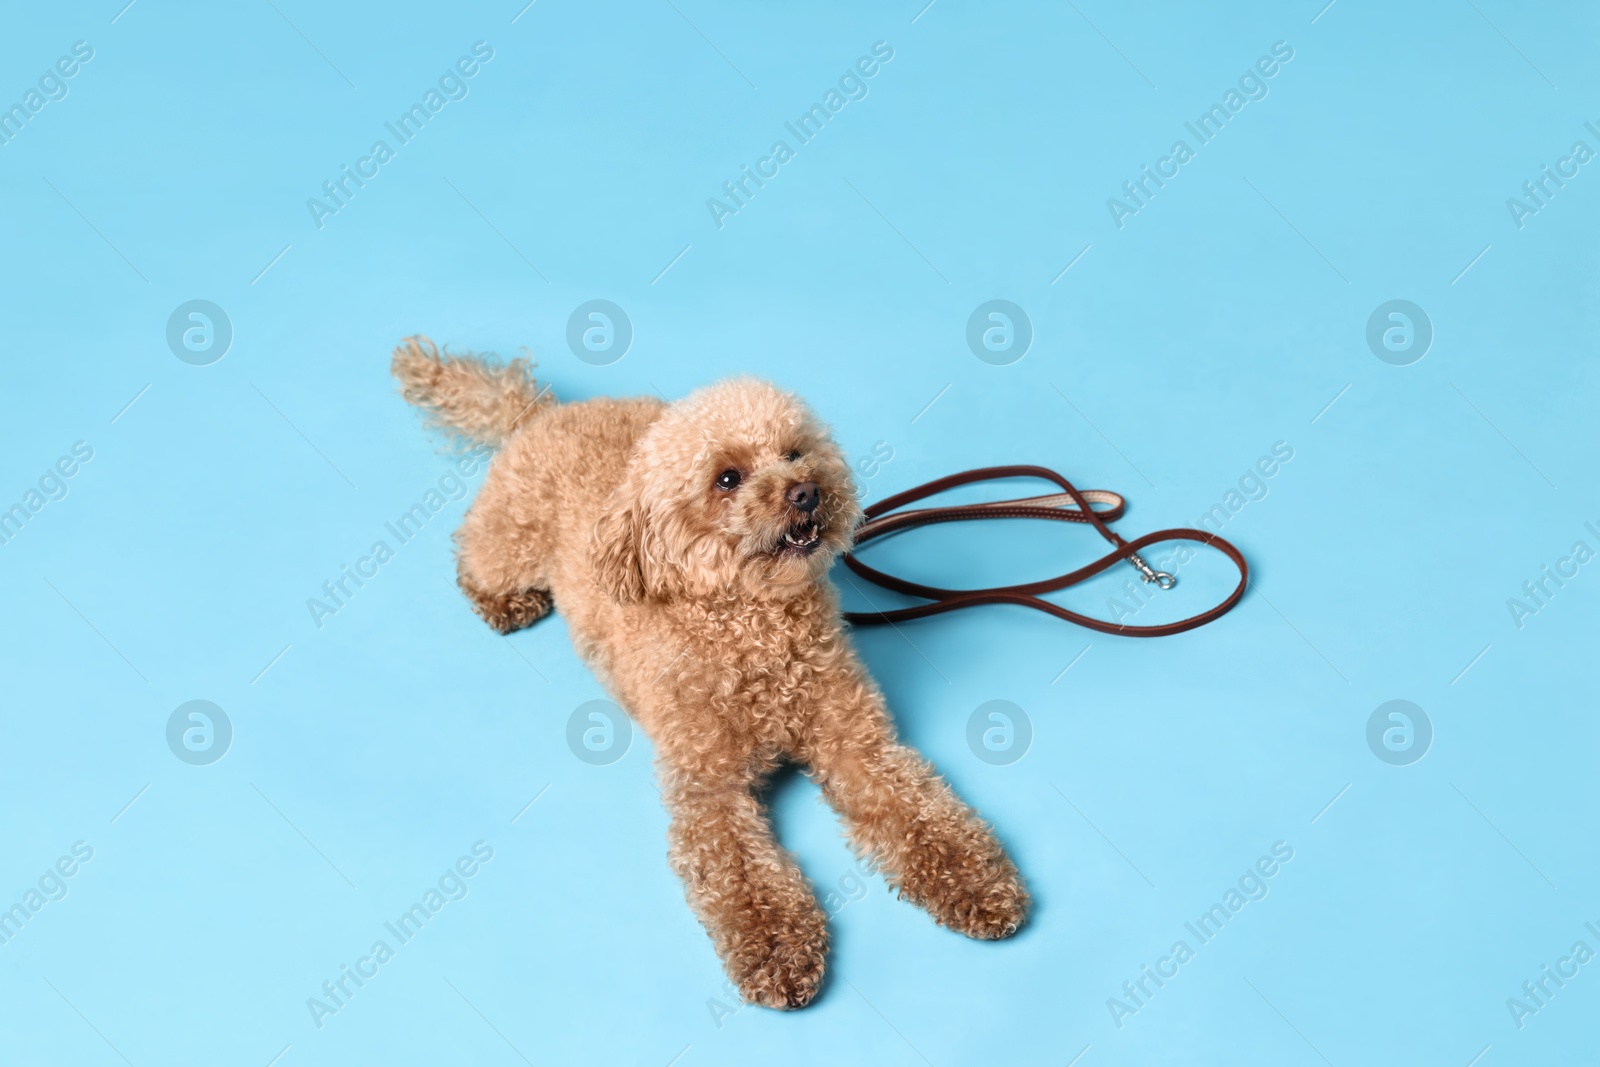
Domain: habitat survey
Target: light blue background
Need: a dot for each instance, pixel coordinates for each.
(1222, 318)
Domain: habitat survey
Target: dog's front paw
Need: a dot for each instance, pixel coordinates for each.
(970, 885)
(987, 907)
(782, 967)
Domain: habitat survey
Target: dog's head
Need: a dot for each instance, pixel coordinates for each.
(736, 488)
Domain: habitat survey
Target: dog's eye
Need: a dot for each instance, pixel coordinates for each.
(793, 455)
(728, 480)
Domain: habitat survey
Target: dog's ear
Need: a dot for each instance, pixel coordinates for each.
(617, 549)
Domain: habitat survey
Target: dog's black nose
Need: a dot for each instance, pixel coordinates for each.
(804, 495)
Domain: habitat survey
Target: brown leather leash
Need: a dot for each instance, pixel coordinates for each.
(1070, 505)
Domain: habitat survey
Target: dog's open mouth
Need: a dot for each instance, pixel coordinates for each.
(800, 539)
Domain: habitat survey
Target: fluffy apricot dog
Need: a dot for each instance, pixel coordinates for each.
(688, 545)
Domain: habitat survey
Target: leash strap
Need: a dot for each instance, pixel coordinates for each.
(1069, 505)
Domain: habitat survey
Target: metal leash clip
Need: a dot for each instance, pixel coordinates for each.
(1161, 578)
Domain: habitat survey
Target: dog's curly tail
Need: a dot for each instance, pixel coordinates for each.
(473, 399)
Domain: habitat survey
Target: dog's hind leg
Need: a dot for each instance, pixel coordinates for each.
(903, 817)
(504, 611)
(765, 922)
(497, 565)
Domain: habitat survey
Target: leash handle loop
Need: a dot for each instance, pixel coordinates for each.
(1070, 505)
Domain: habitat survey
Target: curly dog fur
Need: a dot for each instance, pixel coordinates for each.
(706, 609)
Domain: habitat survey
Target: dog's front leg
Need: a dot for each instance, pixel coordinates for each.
(902, 816)
(754, 901)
